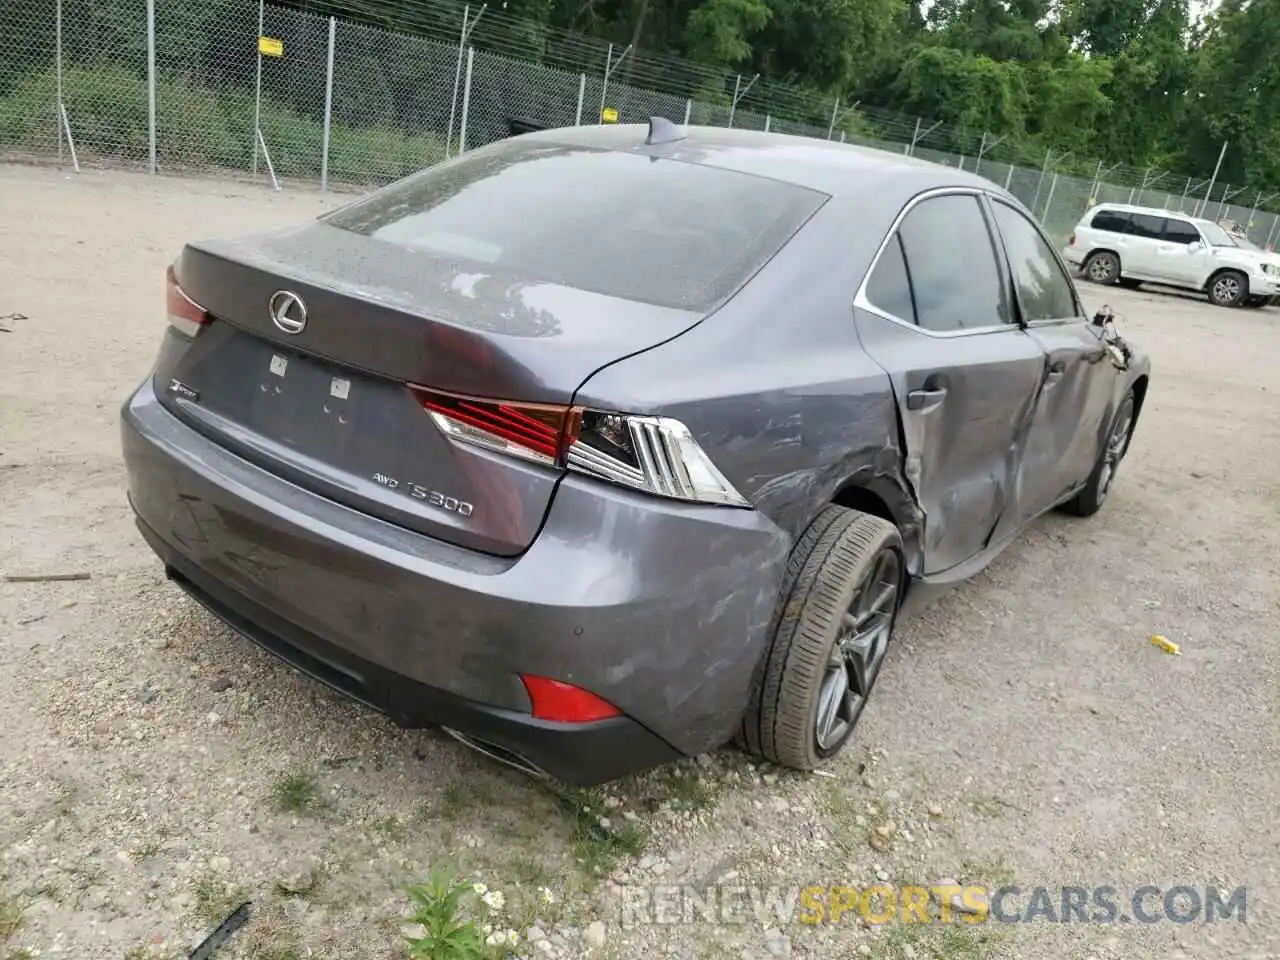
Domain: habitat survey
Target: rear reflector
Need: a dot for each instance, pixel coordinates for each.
(565, 703)
(185, 315)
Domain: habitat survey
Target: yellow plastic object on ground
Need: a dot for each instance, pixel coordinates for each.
(1167, 645)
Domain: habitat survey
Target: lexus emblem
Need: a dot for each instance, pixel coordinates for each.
(288, 312)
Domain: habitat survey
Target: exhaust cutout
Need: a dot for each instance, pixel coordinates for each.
(499, 753)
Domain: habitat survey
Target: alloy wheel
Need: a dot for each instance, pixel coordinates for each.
(1116, 444)
(1101, 269)
(858, 651)
(1226, 290)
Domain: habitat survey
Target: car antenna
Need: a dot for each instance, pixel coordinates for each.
(662, 130)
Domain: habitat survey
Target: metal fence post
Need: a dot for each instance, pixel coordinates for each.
(1044, 169)
(1008, 177)
(457, 78)
(466, 102)
(257, 91)
(835, 112)
(1213, 179)
(328, 106)
(582, 90)
(467, 26)
(768, 119)
(604, 87)
(151, 84)
(57, 107)
(733, 107)
(688, 110)
(1049, 200)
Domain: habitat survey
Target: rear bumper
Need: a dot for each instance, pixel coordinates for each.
(663, 609)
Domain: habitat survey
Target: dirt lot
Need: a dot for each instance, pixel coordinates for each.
(155, 769)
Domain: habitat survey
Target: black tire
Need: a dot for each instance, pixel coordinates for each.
(1228, 288)
(844, 555)
(1129, 283)
(1102, 267)
(1090, 499)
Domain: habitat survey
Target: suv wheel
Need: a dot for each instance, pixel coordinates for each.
(1230, 288)
(1102, 267)
(838, 606)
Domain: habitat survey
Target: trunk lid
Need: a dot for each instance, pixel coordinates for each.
(328, 407)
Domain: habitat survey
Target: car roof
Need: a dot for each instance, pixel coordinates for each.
(834, 168)
(1155, 211)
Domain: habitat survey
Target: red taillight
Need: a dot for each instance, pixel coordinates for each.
(185, 314)
(565, 703)
(533, 431)
(1071, 240)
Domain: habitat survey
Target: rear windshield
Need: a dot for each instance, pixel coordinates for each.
(658, 231)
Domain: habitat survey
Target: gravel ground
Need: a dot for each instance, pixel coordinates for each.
(155, 769)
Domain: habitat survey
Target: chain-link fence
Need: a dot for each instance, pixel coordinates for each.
(240, 86)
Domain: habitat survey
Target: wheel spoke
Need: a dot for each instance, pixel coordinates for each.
(832, 697)
(860, 644)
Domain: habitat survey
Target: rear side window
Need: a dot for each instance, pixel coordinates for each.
(662, 231)
(1111, 220)
(1145, 225)
(889, 287)
(952, 263)
(1044, 291)
(1179, 231)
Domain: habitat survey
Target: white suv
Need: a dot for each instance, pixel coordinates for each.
(1114, 243)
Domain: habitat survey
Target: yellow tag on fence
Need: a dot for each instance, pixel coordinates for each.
(609, 115)
(270, 47)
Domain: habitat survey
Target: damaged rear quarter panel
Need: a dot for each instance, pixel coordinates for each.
(777, 389)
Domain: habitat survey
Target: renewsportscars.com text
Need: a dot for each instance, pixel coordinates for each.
(934, 903)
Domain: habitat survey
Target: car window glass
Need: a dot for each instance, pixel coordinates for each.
(676, 234)
(952, 264)
(1145, 225)
(1111, 220)
(1044, 291)
(1179, 231)
(889, 287)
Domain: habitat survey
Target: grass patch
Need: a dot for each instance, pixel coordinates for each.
(390, 828)
(22, 953)
(991, 873)
(296, 793)
(937, 942)
(148, 953)
(277, 945)
(598, 849)
(11, 915)
(462, 797)
(201, 126)
(215, 899)
(685, 788)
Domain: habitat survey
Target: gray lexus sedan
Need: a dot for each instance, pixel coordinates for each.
(606, 445)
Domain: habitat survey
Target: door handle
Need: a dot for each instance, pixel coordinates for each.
(1056, 371)
(923, 399)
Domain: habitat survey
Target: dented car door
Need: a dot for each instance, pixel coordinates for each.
(1061, 444)
(935, 313)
